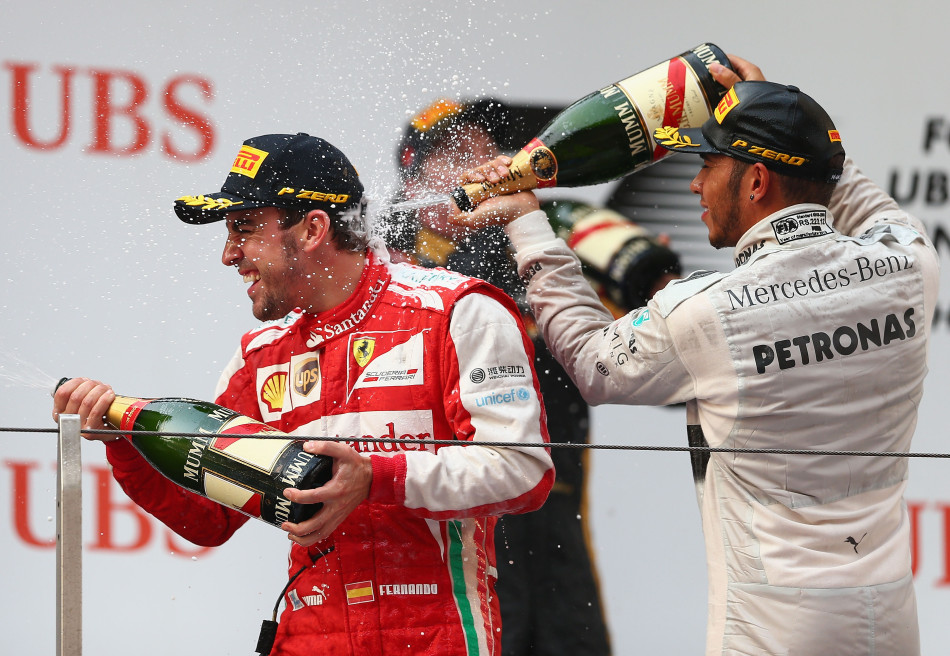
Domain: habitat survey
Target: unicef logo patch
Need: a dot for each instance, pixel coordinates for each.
(477, 376)
(523, 394)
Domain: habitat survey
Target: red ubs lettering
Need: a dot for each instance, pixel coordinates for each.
(109, 508)
(120, 107)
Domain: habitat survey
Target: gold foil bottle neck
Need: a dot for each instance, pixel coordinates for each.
(521, 177)
(117, 410)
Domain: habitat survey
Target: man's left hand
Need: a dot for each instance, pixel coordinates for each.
(348, 488)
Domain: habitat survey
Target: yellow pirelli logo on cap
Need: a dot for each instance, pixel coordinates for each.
(248, 161)
(726, 105)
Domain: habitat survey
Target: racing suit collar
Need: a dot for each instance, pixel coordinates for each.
(353, 312)
(794, 225)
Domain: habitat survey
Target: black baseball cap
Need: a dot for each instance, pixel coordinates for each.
(775, 124)
(294, 171)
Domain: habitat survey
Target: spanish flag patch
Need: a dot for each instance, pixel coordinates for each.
(358, 593)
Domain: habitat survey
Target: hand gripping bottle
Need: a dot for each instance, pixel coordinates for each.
(248, 474)
(609, 133)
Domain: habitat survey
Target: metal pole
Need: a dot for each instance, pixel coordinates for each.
(69, 539)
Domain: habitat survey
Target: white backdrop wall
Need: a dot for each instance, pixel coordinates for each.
(100, 279)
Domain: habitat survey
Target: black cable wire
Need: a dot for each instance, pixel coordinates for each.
(520, 445)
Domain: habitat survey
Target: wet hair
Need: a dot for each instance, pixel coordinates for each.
(349, 228)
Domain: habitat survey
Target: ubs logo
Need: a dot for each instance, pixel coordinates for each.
(307, 376)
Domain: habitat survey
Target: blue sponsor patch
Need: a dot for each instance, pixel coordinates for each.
(498, 398)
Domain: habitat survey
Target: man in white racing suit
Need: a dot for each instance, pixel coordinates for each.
(817, 341)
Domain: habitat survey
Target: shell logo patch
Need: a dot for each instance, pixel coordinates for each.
(726, 105)
(273, 390)
(363, 350)
(248, 161)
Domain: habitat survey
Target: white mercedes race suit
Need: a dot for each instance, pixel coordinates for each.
(817, 340)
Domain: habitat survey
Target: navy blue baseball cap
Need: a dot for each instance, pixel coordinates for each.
(775, 124)
(293, 171)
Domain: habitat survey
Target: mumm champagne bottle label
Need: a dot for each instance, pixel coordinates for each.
(676, 92)
(245, 473)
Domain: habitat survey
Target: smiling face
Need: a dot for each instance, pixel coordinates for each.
(719, 187)
(267, 257)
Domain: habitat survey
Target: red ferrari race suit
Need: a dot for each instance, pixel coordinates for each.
(817, 340)
(417, 354)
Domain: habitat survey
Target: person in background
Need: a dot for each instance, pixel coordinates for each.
(818, 339)
(547, 580)
(400, 558)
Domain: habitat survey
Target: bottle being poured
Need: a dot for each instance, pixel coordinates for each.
(608, 133)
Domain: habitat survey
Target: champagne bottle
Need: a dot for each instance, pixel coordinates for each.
(623, 259)
(248, 474)
(609, 133)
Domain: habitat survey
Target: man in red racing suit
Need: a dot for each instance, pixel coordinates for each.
(412, 354)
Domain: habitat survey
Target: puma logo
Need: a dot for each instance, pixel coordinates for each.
(850, 540)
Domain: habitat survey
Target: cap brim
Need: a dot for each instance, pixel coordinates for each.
(212, 207)
(683, 140)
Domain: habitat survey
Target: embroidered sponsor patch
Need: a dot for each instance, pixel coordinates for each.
(409, 427)
(273, 390)
(386, 359)
(363, 350)
(248, 161)
(514, 395)
(804, 225)
(307, 376)
(359, 593)
(726, 105)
